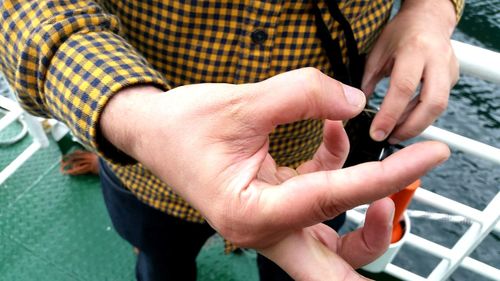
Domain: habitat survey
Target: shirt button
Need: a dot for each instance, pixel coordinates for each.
(258, 36)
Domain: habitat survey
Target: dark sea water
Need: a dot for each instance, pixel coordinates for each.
(474, 111)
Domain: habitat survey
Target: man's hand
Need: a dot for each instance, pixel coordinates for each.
(210, 143)
(318, 253)
(414, 47)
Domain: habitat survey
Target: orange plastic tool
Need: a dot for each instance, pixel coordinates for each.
(401, 201)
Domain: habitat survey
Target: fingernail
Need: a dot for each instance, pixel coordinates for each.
(393, 140)
(354, 96)
(378, 135)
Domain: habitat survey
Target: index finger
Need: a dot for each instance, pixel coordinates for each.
(405, 77)
(432, 103)
(312, 198)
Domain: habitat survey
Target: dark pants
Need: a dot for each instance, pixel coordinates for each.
(168, 245)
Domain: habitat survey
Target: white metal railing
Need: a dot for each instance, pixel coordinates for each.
(40, 139)
(483, 64)
(483, 222)
(478, 62)
(464, 144)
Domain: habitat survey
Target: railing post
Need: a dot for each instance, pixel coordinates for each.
(36, 130)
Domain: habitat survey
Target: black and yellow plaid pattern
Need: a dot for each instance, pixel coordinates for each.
(67, 58)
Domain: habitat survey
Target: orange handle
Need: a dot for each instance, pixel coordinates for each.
(401, 201)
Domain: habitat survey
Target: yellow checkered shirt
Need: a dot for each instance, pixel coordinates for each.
(67, 58)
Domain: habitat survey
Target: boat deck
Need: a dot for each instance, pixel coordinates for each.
(55, 227)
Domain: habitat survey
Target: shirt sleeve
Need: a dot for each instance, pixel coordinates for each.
(65, 60)
(459, 8)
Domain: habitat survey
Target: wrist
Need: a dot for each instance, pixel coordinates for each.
(437, 13)
(122, 117)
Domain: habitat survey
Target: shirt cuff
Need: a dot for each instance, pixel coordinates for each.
(85, 72)
(459, 8)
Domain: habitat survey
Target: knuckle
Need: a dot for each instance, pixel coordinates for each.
(329, 207)
(421, 41)
(424, 41)
(311, 73)
(387, 118)
(405, 86)
(438, 106)
(328, 210)
(311, 79)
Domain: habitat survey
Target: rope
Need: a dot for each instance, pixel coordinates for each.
(439, 217)
(434, 216)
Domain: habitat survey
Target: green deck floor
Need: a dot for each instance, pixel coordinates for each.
(55, 227)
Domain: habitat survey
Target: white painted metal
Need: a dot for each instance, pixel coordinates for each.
(40, 139)
(450, 206)
(433, 248)
(402, 273)
(464, 144)
(469, 241)
(15, 111)
(8, 119)
(14, 165)
(9, 104)
(36, 130)
(477, 61)
(440, 251)
(481, 268)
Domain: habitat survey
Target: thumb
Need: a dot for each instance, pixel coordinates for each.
(304, 93)
(304, 255)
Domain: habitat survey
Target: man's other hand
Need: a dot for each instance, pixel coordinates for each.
(413, 48)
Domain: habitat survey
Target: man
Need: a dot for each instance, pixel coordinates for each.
(203, 111)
